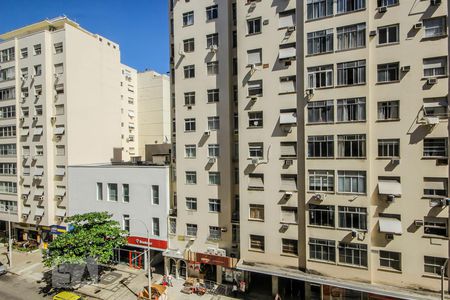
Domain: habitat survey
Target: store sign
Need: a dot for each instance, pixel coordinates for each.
(143, 242)
(203, 258)
(54, 229)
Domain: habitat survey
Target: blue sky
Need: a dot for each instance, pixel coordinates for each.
(139, 26)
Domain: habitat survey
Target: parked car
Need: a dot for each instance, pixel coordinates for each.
(67, 296)
(2, 269)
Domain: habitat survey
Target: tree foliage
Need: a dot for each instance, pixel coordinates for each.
(92, 235)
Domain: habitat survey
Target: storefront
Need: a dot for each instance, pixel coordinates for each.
(49, 233)
(211, 267)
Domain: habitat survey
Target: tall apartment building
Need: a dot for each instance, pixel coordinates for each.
(341, 167)
(60, 101)
(129, 113)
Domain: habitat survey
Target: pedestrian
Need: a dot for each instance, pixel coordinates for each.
(169, 279)
(234, 289)
(277, 297)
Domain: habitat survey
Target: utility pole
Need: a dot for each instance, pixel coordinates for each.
(149, 267)
(9, 237)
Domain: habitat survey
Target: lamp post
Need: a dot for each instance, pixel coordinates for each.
(443, 267)
(149, 267)
(9, 237)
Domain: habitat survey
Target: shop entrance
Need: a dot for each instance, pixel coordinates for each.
(208, 271)
(135, 259)
(183, 269)
(290, 289)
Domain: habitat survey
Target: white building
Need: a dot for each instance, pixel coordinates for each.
(137, 196)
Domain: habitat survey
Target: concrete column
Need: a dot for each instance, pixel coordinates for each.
(166, 266)
(177, 269)
(274, 285)
(219, 274)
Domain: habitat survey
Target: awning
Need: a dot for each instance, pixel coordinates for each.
(131, 113)
(288, 150)
(288, 184)
(25, 132)
(38, 131)
(390, 225)
(39, 212)
(286, 20)
(389, 187)
(60, 212)
(39, 172)
(437, 184)
(26, 210)
(60, 192)
(58, 130)
(39, 192)
(287, 118)
(255, 182)
(435, 104)
(60, 172)
(26, 191)
(285, 53)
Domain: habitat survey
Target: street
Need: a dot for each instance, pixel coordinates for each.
(13, 287)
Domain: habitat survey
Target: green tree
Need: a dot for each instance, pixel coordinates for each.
(93, 235)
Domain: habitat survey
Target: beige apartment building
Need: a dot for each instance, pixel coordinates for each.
(331, 128)
(129, 113)
(60, 97)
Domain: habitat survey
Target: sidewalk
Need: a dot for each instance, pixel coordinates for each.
(24, 264)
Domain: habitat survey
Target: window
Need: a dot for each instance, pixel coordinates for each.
(255, 88)
(6, 206)
(435, 187)
(286, 19)
(213, 150)
(191, 177)
(352, 182)
(212, 68)
(289, 215)
(319, 8)
(381, 3)
(212, 40)
(288, 182)
(7, 149)
(213, 95)
(351, 110)
(214, 205)
(189, 124)
(254, 57)
(435, 27)
(189, 98)
(190, 151)
(435, 107)
(191, 230)
(172, 225)
(389, 148)
(58, 47)
(345, 6)
(7, 74)
(214, 178)
(213, 123)
(321, 146)
(388, 110)
(353, 217)
(388, 34)
(435, 147)
(38, 110)
(256, 150)
(321, 180)
(322, 249)
(38, 90)
(38, 70)
(288, 84)
(191, 203)
(212, 12)
(254, 26)
(288, 150)
(189, 71)
(351, 37)
(112, 191)
(60, 150)
(99, 191)
(234, 41)
(321, 215)
(8, 93)
(287, 52)
(352, 145)
(353, 254)
(432, 265)
(255, 119)
(390, 260)
(321, 111)
(215, 233)
(256, 212)
(24, 53)
(436, 66)
(256, 181)
(155, 194)
(289, 246)
(388, 72)
(7, 187)
(435, 226)
(39, 150)
(126, 223)
(188, 18)
(125, 193)
(189, 45)
(320, 77)
(8, 169)
(257, 242)
(7, 131)
(353, 72)
(155, 226)
(37, 49)
(7, 112)
(59, 88)
(320, 41)
(7, 55)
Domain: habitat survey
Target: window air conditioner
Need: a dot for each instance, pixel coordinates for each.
(255, 161)
(288, 162)
(60, 198)
(41, 197)
(373, 33)
(354, 233)
(435, 2)
(418, 223)
(405, 68)
(390, 198)
(431, 120)
(310, 92)
(213, 48)
(38, 218)
(24, 216)
(21, 119)
(211, 160)
(431, 81)
(319, 197)
(389, 236)
(382, 9)
(59, 219)
(207, 132)
(53, 119)
(223, 229)
(35, 118)
(418, 25)
(291, 29)
(23, 78)
(395, 161)
(24, 197)
(287, 195)
(181, 53)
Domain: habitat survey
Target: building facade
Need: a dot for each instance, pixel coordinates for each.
(129, 113)
(137, 196)
(341, 163)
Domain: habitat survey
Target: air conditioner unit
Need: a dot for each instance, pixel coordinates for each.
(254, 98)
(41, 197)
(59, 219)
(442, 161)
(23, 78)
(192, 239)
(252, 67)
(382, 9)
(252, 4)
(38, 218)
(287, 195)
(24, 216)
(288, 162)
(390, 198)
(310, 92)
(223, 229)
(291, 29)
(418, 223)
(21, 119)
(431, 81)
(23, 95)
(221, 252)
(389, 236)
(213, 48)
(211, 160)
(57, 75)
(405, 68)
(418, 25)
(373, 33)
(35, 118)
(255, 123)
(354, 233)
(32, 76)
(59, 198)
(395, 161)
(435, 2)
(211, 250)
(34, 157)
(189, 107)
(24, 197)
(436, 202)
(255, 161)
(319, 197)
(207, 132)
(431, 120)
(53, 119)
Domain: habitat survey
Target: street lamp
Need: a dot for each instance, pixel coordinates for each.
(149, 272)
(442, 277)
